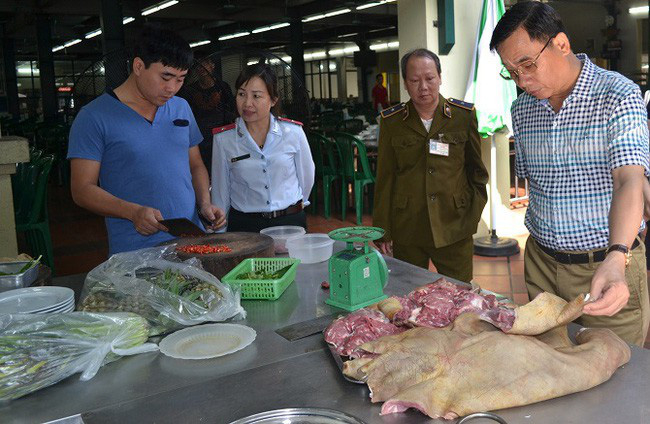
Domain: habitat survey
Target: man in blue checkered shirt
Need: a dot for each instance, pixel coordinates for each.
(581, 139)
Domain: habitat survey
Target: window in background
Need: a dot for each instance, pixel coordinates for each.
(351, 78)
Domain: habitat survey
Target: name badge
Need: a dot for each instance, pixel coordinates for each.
(438, 148)
(238, 158)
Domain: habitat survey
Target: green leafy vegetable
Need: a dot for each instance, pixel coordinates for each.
(264, 275)
(41, 351)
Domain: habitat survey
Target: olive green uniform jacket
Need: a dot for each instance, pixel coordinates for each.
(422, 199)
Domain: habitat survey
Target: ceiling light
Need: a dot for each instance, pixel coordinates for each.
(343, 51)
(236, 35)
(368, 5)
(200, 43)
(373, 4)
(72, 42)
(160, 6)
(98, 31)
(68, 44)
(270, 27)
(385, 46)
(638, 10)
(326, 15)
(315, 55)
(92, 34)
(352, 34)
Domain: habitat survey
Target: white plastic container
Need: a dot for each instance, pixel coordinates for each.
(310, 248)
(281, 234)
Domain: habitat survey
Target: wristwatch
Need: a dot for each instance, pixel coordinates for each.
(620, 248)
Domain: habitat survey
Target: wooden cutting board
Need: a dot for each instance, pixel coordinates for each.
(243, 245)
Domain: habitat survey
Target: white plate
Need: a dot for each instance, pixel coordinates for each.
(58, 311)
(34, 299)
(56, 307)
(207, 341)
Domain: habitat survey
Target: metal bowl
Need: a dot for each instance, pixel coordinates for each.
(300, 416)
(17, 281)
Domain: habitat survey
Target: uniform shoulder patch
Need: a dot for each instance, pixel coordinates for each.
(291, 121)
(224, 128)
(390, 111)
(461, 104)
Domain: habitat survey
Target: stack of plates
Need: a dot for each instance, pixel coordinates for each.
(37, 300)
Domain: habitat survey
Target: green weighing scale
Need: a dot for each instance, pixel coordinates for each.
(357, 274)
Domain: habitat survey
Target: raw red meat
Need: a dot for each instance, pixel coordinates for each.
(351, 331)
(435, 305)
(439, 303)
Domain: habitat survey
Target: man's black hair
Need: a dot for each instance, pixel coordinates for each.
(379, 75)
(156, 44)
(419, 53)
(539, 20)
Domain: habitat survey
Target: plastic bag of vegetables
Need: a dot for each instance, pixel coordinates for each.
(157, 285)
(37, 351)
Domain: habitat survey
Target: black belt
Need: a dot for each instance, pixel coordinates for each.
(579, 258)
(295, 208)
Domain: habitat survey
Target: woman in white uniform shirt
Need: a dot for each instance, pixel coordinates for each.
(262, 169)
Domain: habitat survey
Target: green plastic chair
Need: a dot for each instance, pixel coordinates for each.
(53, 139)
(317, 155)
(30, 205)
(350, 126)
(331, 168)
(329, 120)
(359, 176)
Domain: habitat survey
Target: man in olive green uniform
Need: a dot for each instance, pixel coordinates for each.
(431, 182)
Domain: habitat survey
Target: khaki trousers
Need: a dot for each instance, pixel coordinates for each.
(543, 273)
(453, 261)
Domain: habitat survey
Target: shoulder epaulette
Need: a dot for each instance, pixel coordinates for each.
(461, 104)
(390, 111)
(291, 121)
(224, 128)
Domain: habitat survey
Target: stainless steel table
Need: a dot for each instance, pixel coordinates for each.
(275, 373)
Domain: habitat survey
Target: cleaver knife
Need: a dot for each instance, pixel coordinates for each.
(182, 227)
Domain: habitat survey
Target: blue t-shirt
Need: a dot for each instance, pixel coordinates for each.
(141, 162)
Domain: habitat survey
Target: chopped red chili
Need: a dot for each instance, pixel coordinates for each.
(204, 249)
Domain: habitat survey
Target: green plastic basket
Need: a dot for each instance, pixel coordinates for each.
(262, 289)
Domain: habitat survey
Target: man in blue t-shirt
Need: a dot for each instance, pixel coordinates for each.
(134, 151)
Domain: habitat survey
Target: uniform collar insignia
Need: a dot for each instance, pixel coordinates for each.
(275, 125)
(446, 110)
(406, 112)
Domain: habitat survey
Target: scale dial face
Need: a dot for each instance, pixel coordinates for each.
(357, 234)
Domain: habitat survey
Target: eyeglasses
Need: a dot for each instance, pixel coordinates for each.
(525, 68)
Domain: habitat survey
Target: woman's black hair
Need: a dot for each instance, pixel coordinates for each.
(539, 20)
(162, 45)
(419, 53)
(264, 72)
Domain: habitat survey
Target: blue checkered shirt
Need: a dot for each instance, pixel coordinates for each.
(568, 157)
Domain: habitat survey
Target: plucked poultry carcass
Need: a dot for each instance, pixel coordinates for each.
(484, 360)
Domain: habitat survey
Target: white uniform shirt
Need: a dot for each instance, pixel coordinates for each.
(251, 179)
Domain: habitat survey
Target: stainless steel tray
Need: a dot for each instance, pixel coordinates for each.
(10, 282)
(339, 362)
